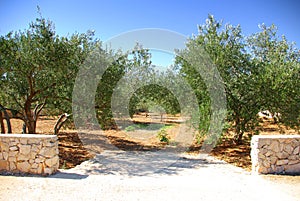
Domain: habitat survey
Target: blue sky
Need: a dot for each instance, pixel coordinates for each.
(110, 18)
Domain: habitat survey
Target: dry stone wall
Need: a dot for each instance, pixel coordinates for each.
(275, 154)
(29, 153)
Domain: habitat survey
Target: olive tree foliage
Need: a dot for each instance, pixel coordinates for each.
(38, 69)
(226, 48)
(278, 62)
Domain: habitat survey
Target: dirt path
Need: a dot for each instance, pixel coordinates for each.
(145, 176)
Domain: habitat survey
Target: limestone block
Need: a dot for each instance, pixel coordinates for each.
(274, 146)
(13, 148)
(35, 141)
(293, 157)
(4, 165)
(35, 165)
(282, 155)
(293, 169)
(33, 155)
(40, 168)
(12, 159)
(292, 162)
(273, 160)
(12, 153)
(288, 149)
(4, 147)
(24, 141)
(25, 149)
(269, 153)
(12, 166)
(266, 164)
(23, 157)
(282, 162)
(48, 171)
(48, 152)
(296, 150)
(14, 142)
(40, 159)
(23, 166)
(5, 155)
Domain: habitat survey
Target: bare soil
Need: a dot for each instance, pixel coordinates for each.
(72, 152)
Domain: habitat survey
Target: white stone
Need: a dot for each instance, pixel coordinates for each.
(270, 153)
(274, 146)
(23, 157)
(23, 166)
(35, 165)
(48, 171)
(292, 162)
(12, 159)
(282, 155)
(13, 148)
(282, 162)
(24, 141)
(273, 160)
(4, 147)
(25, 149)
(39, 159)
(296, 150)
(12, 153)
(5, 155)
(12, 166)
(288, 149)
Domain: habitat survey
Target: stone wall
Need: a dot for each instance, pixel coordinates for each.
(275, 154)
(29, 153)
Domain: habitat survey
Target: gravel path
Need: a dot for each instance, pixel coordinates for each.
(117, 175)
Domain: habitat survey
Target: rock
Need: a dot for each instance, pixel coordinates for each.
(24, 141)
(23, 166)
(12, 159)
(3, 165)
(293, 169)
(4, 147)
(282, 155)
(22, 157)
(288, 149)
(40, 159)
(48, 171)
(13, 148)
(12, 153)
(5, 155)
(269, 153)
(273, 160)
(292, 162)
(48, 152)
(12, 166)
(25, 149)
(296, 150)
(293, 157)
(282, 162)
(274, 146)
(34, 165)
(40, 168)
